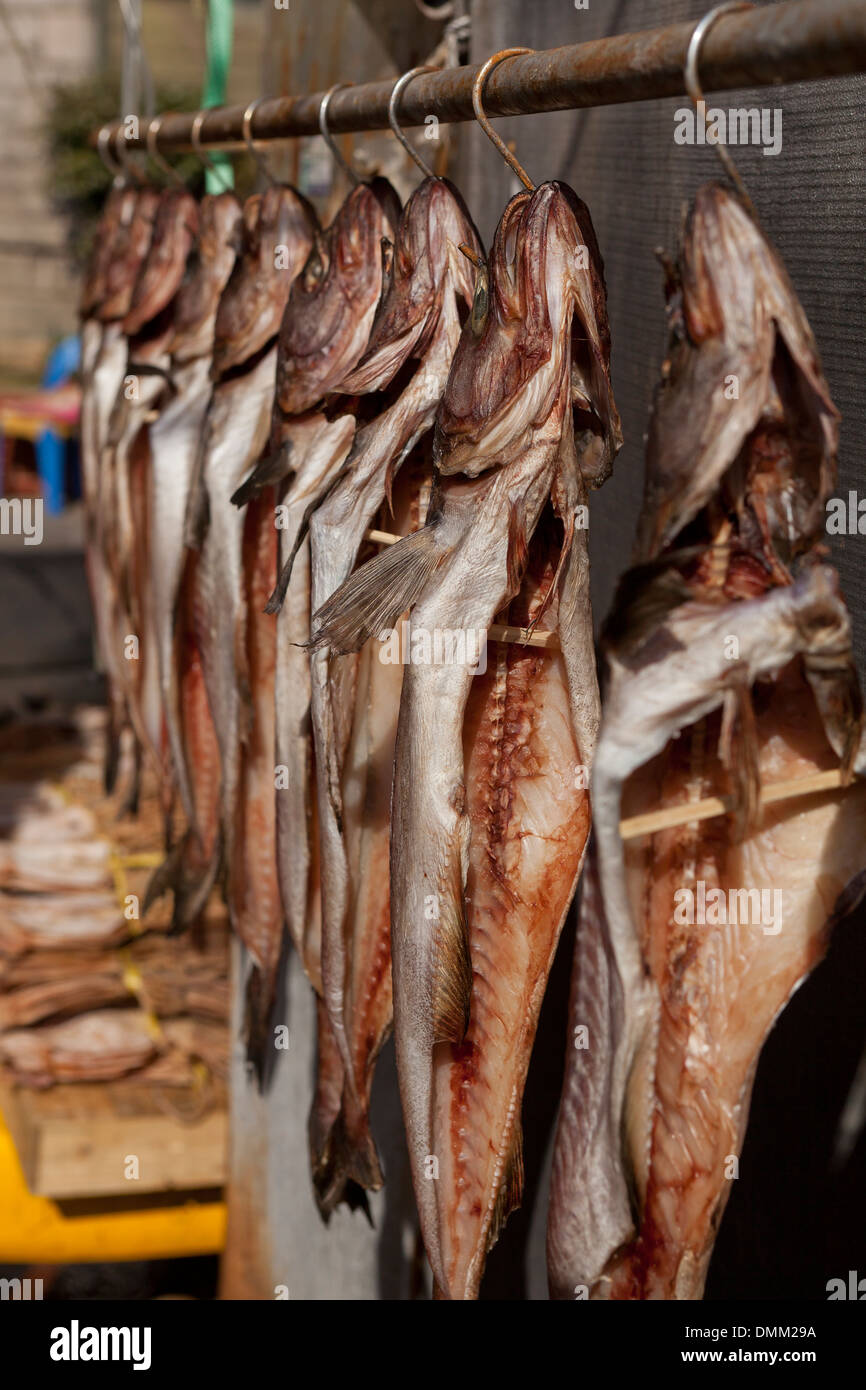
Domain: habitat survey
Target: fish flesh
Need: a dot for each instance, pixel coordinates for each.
(526, 427)
(355, 701)
(729, 669)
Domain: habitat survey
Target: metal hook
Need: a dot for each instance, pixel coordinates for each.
(328, 137)
(247, 128)
(396, 93)
(202, 155)
(477, 94)
(110, 161)
(693, 86)
(153, 129)
(130, 170)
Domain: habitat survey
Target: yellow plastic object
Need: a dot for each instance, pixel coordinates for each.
(34, 1229)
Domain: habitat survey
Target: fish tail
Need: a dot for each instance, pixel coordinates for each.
(345, 1163)
(267, 473)
(190, 875)
(373, 598)
(258, 1003)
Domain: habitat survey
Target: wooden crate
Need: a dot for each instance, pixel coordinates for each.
(76, 1141)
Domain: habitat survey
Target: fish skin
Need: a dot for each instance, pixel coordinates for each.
(500, 460)
(237, 429)
(418, 320)
(657, 1104)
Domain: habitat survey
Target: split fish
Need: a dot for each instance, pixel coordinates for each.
(729, 669)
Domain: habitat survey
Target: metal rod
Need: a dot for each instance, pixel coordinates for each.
(790, 42)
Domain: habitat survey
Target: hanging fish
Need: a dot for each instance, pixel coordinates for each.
(355, 701)
(174, 442)
(121, 246)
(277, 236)
(489, 812)
(729, 669)
(325, 328)
(125, 465)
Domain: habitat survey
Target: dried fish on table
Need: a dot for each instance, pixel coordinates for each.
(100, 1046)
(729, 669)
(484, 853)
(355, 701)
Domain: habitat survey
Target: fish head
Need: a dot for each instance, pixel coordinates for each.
(536, 342)
(334, 299)
(93, 287)
(742, 397)
(129, 248)
(207, 271)
(278, 230)
(423, 257)
(174, 231)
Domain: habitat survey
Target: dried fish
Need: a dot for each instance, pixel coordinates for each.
(729, 667)
(527, 419)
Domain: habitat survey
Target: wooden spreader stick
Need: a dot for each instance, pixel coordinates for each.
(635, 826)
(711, 806)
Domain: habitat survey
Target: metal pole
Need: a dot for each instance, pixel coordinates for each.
(791, 42)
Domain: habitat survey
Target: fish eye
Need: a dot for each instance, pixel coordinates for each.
(480, 302)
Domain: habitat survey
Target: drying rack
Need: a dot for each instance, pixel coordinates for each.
(791, 42)
(766, 46)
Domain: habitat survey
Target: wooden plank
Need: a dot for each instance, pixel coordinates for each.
(78, 1140)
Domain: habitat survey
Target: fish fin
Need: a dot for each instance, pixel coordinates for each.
(346, 1165)
(268, 472)
(277, 598)
(518, 548)
(372, 599)
(452, 978)
(112, 751)
(510, 1193)
(129, 804)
